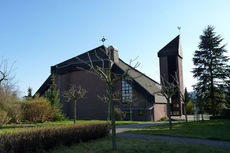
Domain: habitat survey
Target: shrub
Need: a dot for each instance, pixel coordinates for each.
(4, 118)
(218, 117)
(9, 104)
(119, 114)
(38, 110)
(225, 113)
(57, 114)
(38, 139)
(190, 108)
(15, 112)
(163, 119)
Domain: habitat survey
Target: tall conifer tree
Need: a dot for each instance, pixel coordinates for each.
(53, 94)
(210, 68)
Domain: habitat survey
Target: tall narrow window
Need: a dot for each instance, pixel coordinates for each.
(126, 91)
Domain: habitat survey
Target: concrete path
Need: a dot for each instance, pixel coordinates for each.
(121, 128)
(192, 117)
(175, 139)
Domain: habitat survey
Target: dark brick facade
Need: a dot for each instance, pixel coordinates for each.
(91, 107)
(146, 105)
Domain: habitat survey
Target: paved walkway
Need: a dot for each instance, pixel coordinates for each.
(175, 139)
(120, 132)
(122, 128)
(192, 117)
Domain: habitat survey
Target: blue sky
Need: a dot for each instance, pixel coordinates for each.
(38, 34)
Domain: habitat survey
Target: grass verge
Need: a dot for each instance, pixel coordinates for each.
(212, 129)
(126, 145)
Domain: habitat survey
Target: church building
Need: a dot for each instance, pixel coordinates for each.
(142, 93)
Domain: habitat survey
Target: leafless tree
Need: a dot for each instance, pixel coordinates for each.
(104, 71)
(131, 100)
(75, 93)
(168, 90)
(130, 103)
(3, 71)
(6, 80)
(6, 73)
(8, 93)
(116, 98)
(182, 96)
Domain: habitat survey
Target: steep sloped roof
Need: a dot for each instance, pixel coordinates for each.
(84, 56)
(71, 65)
(95, 56)
(172, 48)
(44, 86)
(149, 85)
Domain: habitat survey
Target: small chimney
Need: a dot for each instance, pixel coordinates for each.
(113, 53)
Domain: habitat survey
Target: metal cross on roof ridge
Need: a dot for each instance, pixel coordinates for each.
(103, 39)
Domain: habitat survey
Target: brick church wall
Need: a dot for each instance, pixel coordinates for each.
(90, 107)
(160, 111)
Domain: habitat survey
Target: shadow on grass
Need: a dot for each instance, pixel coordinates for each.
(213, 129)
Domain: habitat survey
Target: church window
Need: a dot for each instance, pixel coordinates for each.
(126, 91)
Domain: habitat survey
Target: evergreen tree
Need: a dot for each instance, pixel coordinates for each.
(53, 94)
(227, 94)
(186, 96)
(210, 68)
(227, 97)
(29, 93)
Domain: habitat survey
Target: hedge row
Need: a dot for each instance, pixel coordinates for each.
(38, 139)
(218, 117)
(225, 114)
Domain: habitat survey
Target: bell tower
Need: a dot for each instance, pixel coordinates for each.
(170, 58)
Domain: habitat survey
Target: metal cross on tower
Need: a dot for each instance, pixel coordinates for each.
(179, 29)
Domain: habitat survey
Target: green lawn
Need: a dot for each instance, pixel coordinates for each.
(18, 127)
(212, 129)
(137, 146)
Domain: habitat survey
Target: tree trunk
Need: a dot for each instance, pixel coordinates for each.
(169, 114)
(202, 115)
(186, 115)
(212, 89)
(212, 98)
(75, 112)
(130, 112)
(114, 145)
(109, 118)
